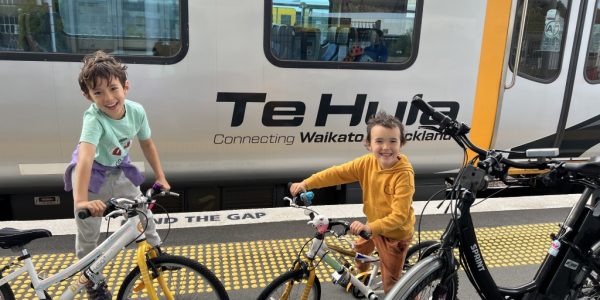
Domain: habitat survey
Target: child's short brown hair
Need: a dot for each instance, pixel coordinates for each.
(97, 66)
(388, 121)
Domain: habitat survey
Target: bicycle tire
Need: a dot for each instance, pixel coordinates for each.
(419, 251)
(278, 285)
(186, 278)
(425, 277)
(6, 292)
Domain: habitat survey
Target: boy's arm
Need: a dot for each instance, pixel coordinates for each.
(341, 174)
(331, 176)
(151, 155)
(83, 173)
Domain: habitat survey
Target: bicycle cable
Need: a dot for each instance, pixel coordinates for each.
(423, 212)
(168, 221)
(144, 230)
(491, 195)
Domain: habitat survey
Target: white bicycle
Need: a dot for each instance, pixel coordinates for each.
(157, 275)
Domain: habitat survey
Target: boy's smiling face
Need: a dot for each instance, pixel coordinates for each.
(385, 145)
(109, 96)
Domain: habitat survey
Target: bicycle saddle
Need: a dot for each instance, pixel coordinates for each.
(11, 237)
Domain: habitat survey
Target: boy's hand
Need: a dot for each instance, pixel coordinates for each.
(164, 184)
(297, 187)
(356, 227)
(96, 207)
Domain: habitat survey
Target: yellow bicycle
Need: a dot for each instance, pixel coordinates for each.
(301, 281)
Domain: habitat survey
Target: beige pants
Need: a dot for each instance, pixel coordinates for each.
(88, 230)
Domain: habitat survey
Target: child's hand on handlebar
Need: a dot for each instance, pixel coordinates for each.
(357, 227)
(164, 185)
(297, 187)
(95, 207)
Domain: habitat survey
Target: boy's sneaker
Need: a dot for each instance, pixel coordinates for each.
(100, 293)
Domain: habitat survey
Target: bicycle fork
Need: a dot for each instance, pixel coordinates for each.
(311, 279)
(144, 249)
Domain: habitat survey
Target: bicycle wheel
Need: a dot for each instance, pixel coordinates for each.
(6, 292)
(186, 279)
(295, 281)
(418, 251)
(424, 281)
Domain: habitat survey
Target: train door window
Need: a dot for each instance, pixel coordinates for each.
(364, 34)
(592, 62)
(543, 39)
(138, 31)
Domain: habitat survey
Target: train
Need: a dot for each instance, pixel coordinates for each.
(244, 96)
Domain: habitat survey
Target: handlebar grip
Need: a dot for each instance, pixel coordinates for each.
(427, 109)
(157, 187)
(84, 214)
(365, 235)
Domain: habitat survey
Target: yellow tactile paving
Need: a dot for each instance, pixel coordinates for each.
(243, 265)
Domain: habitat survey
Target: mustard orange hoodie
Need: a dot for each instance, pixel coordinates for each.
(387, 194)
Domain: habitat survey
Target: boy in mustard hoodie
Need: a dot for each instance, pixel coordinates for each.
(387, 181)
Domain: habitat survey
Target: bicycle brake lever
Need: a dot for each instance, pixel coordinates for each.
(125, 201)
(115, 212)
(430, 127)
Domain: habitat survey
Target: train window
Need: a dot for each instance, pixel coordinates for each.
(542, 42)
(67, 29)
(363, 34)
(592, 62)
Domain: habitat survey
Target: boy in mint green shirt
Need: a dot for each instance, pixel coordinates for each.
(100, 168)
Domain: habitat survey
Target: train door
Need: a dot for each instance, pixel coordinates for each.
(582, 121)
(541, 105)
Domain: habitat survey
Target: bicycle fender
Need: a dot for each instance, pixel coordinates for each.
(410, 280)
(430, 250)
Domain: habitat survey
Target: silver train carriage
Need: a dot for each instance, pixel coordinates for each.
(244, 96)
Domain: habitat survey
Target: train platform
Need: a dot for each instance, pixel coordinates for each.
(248, 248)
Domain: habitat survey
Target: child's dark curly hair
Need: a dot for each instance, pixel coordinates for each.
(388, 121)
(98, 66)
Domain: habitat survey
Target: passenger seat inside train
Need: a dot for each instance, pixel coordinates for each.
(329, 49)
(295, 43)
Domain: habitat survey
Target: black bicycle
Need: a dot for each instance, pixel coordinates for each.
(571, 268)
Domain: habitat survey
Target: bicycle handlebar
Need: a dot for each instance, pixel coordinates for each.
(114, 204)
(304, 200)
(458, 131)
(427, 109)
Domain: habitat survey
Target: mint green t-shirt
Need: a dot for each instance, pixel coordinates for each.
(113, 138)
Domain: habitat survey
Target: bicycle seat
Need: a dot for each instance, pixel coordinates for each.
(11, 237)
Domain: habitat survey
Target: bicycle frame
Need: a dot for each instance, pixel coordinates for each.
(319, 248)
(96, 260)
(362, 258)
